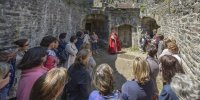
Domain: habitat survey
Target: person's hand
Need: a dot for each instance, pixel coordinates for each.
(4, 82)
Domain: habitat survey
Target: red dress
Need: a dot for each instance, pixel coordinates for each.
(114, 44)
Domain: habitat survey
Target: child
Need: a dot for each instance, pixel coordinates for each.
(103, 81)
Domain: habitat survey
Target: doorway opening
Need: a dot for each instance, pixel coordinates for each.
(97, 23)
(124, 33)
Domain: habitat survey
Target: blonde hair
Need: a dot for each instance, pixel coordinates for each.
(4, 69)
(103, 79)
(166, 41)
(141, 70)
(49, 85)
(172, 47)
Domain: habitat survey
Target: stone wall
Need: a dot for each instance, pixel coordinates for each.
(180, 19)
(33, 19)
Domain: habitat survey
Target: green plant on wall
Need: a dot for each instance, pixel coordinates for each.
(110, 1)
(142, 8)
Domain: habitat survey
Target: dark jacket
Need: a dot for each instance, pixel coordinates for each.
(167, 93)
(78, 85)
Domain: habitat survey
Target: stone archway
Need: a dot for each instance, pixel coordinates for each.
(97, 23)
(125, 35)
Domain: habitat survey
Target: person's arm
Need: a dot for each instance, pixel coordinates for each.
(125, 92)
(70, 50)
(83, 86)
(92, 62)
(50, 62)
(164, 95)
(4, 82)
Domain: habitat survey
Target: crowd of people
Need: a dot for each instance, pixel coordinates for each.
(66, 70)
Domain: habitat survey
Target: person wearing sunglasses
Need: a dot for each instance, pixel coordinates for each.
(22, 47)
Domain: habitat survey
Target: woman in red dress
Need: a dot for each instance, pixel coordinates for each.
(114, 43)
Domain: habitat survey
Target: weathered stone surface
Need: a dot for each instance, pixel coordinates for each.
(183, 25)
(34, 19)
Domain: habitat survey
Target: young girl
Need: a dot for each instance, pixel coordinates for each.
(54, 80)
(32, 66)
(103, 81)
(50, 43)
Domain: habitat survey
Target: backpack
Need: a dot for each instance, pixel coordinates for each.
(62, 54)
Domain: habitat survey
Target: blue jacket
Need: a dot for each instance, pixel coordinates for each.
(167, 93)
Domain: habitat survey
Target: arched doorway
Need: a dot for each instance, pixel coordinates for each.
(97, 23)
(124, 33)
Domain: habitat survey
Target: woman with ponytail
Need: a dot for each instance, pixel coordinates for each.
(79, 79)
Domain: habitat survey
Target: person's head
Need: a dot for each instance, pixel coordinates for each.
(173, 40)
(56, 45)
(79, 34)
(169, 67)
(161, 37)
(103, 79)
(186, 87)
(86, 46)
(152, 50)
(73, 39)
(49, 42)
(62, 36)
(86, 32)
(50, 85)
(173, 48)
(93, 33)
(4, 69)
(141, 70)
(6, 55)
(166, 41)
(82, 56)
(22, 44)
(34, 57)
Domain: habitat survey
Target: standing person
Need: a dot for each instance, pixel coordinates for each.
(160, 45)
(50, 43)
(154, 67)
(72, 51)
(78, 86)
(23, 46)
(114, 43)
(32, 66)
(61, 50)
(94, 39)
(91, 62)
(80, 38)
(6, 57)
(172, 49)
(169, 67)
(104, 83)
(86, 38)
(4, 79)
(141, 87)
(166, 50)
(54, 80)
